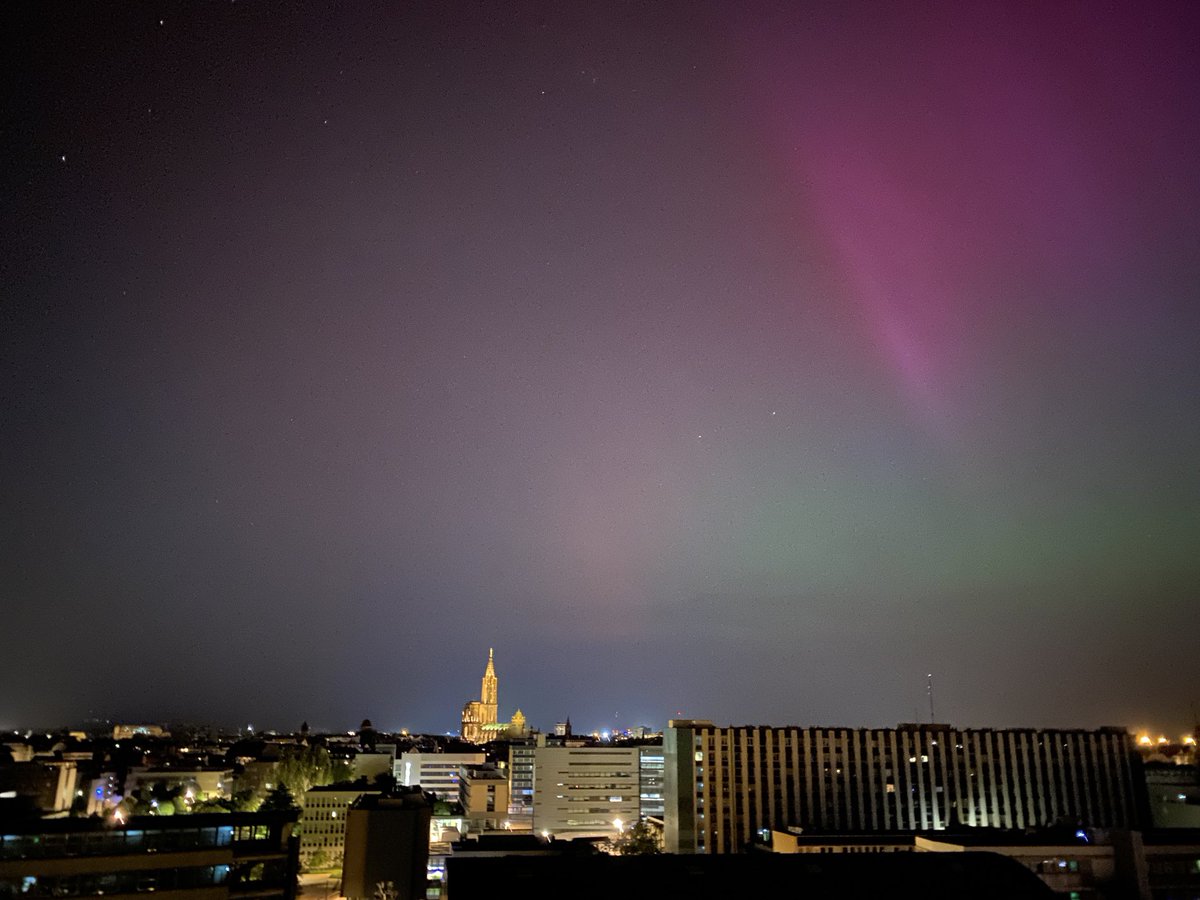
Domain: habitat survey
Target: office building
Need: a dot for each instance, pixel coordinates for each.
(437, 773)
(521, 757)
(650, 781)
(724, 786)
(585, 791)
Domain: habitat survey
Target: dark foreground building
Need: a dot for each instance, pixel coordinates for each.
(232, 856)
(724, 787)
(931, 876)
(387, 842)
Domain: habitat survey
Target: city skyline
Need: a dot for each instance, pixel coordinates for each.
(1145, 732)
(747, 363)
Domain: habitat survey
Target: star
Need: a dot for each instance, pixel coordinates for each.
(63, 157)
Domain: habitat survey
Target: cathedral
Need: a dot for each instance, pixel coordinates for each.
(478, 713)
(481, 719)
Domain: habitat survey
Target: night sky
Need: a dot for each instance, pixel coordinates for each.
(748, 361)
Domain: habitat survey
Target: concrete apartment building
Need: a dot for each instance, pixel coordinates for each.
(323, 821)
(725, 786)
(483, 794)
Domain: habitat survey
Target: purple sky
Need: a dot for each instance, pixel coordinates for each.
(745, 361)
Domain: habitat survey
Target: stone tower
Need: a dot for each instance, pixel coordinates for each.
(481, 712)
(489, 691)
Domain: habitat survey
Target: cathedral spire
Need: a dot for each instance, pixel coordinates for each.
(490, 688)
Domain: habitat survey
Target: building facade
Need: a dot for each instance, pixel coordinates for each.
(482, 712)
(50, 785)
(650, 781)
(483, 793)
(233, 856)
(438, 773)
(725, 786)
(323, 823)
(585, 791)
(387, 841)
(521, 758)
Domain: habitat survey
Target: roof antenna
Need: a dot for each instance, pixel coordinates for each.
(929, 690)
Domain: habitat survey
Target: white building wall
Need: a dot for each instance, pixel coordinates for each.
(435, 772)
(584, 791)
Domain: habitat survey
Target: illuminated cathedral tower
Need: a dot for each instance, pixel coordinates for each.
(478, 713)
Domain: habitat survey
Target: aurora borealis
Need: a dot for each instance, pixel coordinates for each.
(750, 362)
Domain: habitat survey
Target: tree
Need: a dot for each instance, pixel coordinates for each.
(213, 805)
(640, 840)
(303, 767)
(279, 799)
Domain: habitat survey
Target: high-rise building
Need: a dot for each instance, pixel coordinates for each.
(725, 786)
(521, 759)
(650, 781)
(484, 711)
